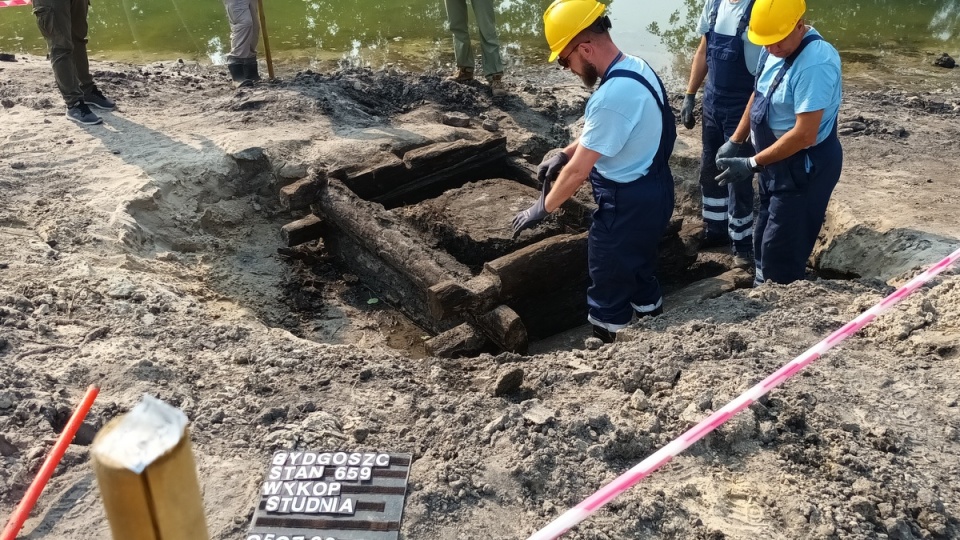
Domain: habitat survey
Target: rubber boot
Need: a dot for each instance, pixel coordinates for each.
(251, 69)
(237, 72)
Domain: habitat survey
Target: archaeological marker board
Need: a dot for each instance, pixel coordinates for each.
(310, 495)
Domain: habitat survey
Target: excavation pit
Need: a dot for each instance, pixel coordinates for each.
(430, 232)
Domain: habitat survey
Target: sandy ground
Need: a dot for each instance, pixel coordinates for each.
(142, 255)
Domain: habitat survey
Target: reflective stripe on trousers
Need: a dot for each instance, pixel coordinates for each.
(623, 245)
(728, 88)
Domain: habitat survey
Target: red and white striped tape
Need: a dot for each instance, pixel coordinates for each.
(11, 3)
(626, 480)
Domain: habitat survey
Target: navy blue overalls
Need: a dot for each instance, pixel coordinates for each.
(627, 226)
(794, 192)
(726, 209)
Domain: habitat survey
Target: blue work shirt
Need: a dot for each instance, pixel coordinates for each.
(728, 19)
(813, 83)
(623, 123)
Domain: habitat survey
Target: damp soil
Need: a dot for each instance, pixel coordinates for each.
(143, 255)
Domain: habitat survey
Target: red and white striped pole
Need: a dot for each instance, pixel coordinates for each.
(625, 481)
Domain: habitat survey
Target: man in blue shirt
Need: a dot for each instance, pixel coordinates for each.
(728, 61)
(792, 122)
(627, 139)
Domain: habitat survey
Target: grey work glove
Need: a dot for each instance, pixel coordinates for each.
(686, 112)
(549, 169)
(728, 150)
(735, 169)
(529, 218)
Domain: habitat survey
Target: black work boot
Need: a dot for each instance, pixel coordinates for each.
(237, 72)
(603, 334)
(251, 70)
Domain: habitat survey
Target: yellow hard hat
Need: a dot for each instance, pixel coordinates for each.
(564, 19)
(773, 20)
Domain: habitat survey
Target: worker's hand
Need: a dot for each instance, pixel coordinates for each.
(549, 170)
(686, 112)
(728, 150)
(529, 218)
(734, 170)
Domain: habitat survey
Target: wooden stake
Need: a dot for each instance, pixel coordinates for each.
(266, 39)
(161, 503)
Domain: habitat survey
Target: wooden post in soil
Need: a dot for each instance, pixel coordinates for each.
(160, 502)
(266, 39)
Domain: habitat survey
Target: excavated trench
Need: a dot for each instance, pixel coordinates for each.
(427, 230)
(413, 247)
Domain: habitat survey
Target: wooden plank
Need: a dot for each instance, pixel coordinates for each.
(385, 236)
(479, 294)
(522, 171)
(301, 231)
(391, 256)
(447, 297)
(449, 165)
(301, 193)
(505, 328)
(441, 156)
(462, 340)
(547, 265)
(390, 284)
(381, 174)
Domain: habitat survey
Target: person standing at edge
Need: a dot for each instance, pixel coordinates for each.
(627, 139)
(489, 42)
(244, 37)
(792, 119)
(728, 61)
(63, 24)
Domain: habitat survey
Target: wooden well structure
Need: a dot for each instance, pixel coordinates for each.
(430, 232)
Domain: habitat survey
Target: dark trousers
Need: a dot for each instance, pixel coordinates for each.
(63, 24)
(727, 210)
(623, 245)
(792, 211)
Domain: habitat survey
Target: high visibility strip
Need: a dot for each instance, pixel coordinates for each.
(12, 3)
(758, 277)
(740, 222)
(714, 216)
(625, 481)
(647, 308)
(610, 327)
(711, 201)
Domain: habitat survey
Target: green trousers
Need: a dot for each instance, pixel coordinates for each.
(63, 24)
(489, 42)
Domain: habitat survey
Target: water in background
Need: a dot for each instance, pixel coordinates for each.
(874, 36)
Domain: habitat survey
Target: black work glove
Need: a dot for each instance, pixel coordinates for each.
(734, 170)
(549, 169)
(728, 150)
(686, 112)
(529, 218)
